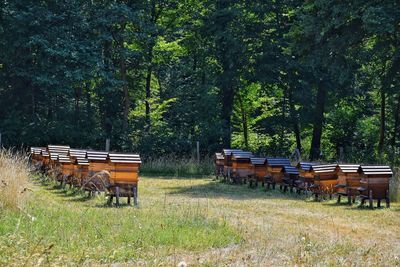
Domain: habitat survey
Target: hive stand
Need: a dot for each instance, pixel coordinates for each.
(374, 184)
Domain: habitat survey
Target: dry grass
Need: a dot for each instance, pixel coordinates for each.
(14, 179)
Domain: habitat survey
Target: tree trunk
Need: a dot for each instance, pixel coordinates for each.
(77, 112)
(295, 120)
(382, 122)
(244, 123)
(318, 123)
(396, 122)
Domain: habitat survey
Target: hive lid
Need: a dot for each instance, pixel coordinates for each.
(37, 150)
(82, 161)
(124, 158)
(325, 168)
(219, 156)
(290, 170)
(228, 152)
(278, 162)
(77, 153)
(258, 161)
(306, 166)
(62, 158)
(97, 155)
(348, 168)
(242, 155)
(58, 149)
(45, 154)
(376, 170)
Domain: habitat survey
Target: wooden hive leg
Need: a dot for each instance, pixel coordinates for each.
(339, 198)
(379, 203)
(110, 199)
(135, 195)
(129, 200)
(117, 195)
(371, 201)
(387, 199)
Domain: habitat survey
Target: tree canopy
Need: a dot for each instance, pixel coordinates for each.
(156, 76)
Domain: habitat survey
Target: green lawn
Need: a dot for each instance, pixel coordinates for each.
(200, 221)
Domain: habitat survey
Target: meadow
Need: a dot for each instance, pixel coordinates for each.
(200, 221)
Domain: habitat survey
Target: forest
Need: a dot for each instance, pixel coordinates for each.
(156, 76)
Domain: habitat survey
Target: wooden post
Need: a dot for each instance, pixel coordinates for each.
(0, 142)
(198, 152)
(108, 144)
(341, 154)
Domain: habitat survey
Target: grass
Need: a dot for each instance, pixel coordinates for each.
(177, 167)
(14, 180)
(199, 221)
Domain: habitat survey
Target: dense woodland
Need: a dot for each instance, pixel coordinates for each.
(156, 76)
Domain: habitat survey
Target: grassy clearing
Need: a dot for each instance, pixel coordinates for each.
(204, 222)
(177, 167)
(14, 180)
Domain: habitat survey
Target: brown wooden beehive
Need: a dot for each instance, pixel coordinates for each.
(374, 183)
(348, 181)
(124, 168)
(81, 170)
(259, 169)
(290, 177)
(97, 161)
(219, 164)
(274, 170)
(325, 179)
(227, 153)
(241, 165)
(306, 176)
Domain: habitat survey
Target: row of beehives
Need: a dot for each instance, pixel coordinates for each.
(323, 180)
(116, 174)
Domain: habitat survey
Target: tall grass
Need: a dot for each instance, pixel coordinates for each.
(14, 180)
(178, 167)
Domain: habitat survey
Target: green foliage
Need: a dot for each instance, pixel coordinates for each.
(157, 76)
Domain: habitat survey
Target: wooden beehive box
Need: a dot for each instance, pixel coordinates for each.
(375, 181)
(124, 168)
(67, 165)
(291, 175)
(219, 163)
(274, 168)
(75, 154)
(259, 168)
(97, 161)
(241, 164)
(227, 153)
(81, 169)
(36, 154)
(348, 178)
(46, 157)
(305, 173)
(325, 179)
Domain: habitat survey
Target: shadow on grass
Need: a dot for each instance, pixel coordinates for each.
(216, 189)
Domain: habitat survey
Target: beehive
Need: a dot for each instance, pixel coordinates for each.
(241, 165)
(290, 177)
(97, 161)
(374, 183)
(306, 176)
(219, 164)
(274, 169)
(348, 180)
(227, 153)
(325, 179)
(124, 168)
(259, 168)
(81, 170)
